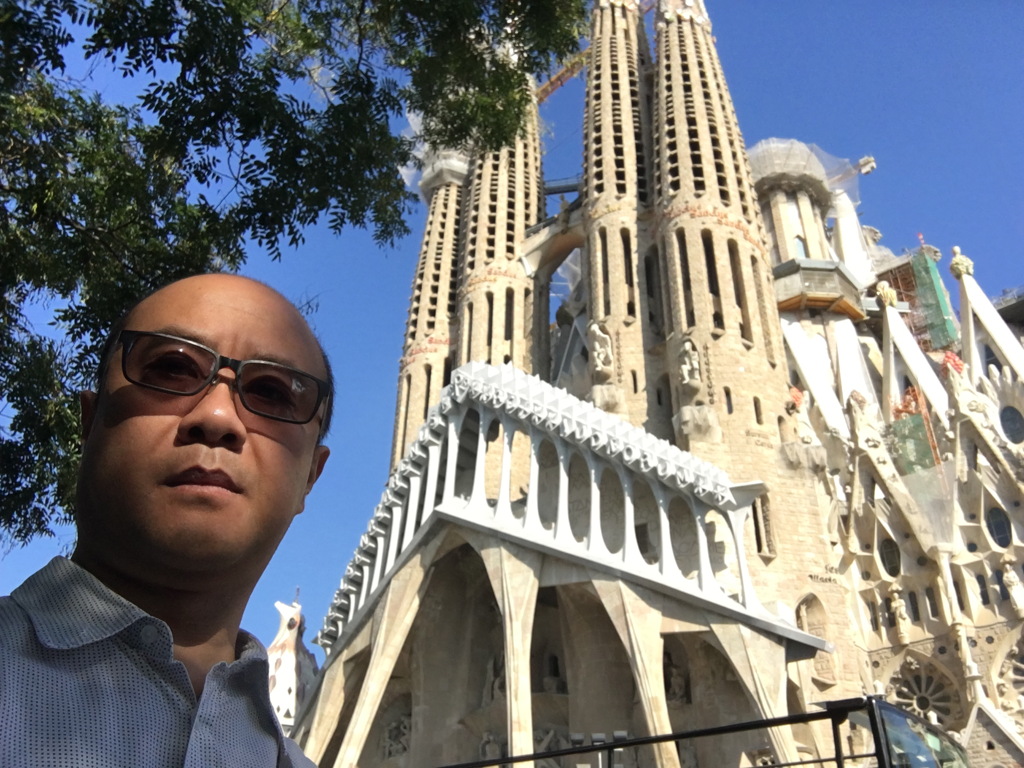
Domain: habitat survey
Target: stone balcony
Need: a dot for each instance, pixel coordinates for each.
(816, 284)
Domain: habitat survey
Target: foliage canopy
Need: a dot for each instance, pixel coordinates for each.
(249, 120)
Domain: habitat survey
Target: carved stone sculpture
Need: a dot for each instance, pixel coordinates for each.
(689, 365)
(885, 294)
(899, 612)
(1013, 585)
(600, 352)
(495, 685)
(548, 741)
(490, 748)
(960, 265)
(395, 739)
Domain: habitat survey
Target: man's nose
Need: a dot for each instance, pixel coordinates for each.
(214, 418)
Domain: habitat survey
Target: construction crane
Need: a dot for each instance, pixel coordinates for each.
(575, 64)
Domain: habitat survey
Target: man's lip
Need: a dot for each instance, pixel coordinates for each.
(214, 478)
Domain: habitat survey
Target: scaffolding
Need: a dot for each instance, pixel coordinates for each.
(917, 282)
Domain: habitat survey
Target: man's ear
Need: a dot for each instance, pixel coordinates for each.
(320, 454)
(87, 400)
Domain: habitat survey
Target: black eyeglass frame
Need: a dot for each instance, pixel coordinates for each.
(126, 339)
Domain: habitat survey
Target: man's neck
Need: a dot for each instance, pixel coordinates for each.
(204, 622)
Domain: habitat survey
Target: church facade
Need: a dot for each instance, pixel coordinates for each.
(695, 450)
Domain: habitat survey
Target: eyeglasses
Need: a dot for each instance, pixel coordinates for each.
(181, 367)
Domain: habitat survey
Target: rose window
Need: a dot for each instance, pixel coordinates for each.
(921, 688)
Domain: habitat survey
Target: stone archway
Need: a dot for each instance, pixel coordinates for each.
(812, 618)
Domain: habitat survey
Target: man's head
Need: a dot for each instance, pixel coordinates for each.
(175, 485)
(110, 345)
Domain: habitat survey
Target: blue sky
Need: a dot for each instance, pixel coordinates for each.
(933, 89)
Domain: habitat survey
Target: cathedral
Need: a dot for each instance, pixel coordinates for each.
(695, 450)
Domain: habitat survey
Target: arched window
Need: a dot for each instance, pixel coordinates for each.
(1012, 422)
(800, 247)
(992, 359)
(889, 554)
(983, 589)
(761, 513)
(998, 525)
(915, 609)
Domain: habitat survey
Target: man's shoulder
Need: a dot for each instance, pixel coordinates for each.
(9, 609)
(19, 644)
(18, 631)
(15, 624)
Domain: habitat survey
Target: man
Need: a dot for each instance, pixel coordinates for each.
(199, 447)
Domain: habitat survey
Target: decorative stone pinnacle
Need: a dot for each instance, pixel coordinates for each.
(686, 10)
(960, 265)
(885, 294)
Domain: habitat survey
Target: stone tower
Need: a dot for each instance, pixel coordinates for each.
(494, 304)
(724, 364)
(736, 470)
(426, 354)
(616, 132)
(722, 355)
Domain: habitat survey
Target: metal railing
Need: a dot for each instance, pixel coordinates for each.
(885, 751)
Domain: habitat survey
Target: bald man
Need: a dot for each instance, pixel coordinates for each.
(200, 443)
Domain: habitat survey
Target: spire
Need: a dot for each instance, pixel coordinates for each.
(722, 347)
(424, 367)
(616, 160)
(292, 667)
(505, 196)
(700, 148)
(687, 10)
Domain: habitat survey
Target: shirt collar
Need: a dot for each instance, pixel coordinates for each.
(69, 607)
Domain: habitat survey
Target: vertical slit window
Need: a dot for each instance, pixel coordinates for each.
(761, 514)
(1004, 593)
(711, 266)
(983, 589)
(489, 336)
(709, 262)
(914, 608)
(427, 370)
(684, 266)
(769, 344)
(652, 280)
(509, 310)
(627, 253)
(605, 279)
(407, 395)
(738, 289)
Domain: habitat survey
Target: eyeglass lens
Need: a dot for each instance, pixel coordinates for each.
(181, 367)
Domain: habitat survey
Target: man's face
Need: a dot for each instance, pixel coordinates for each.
(177, 486)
